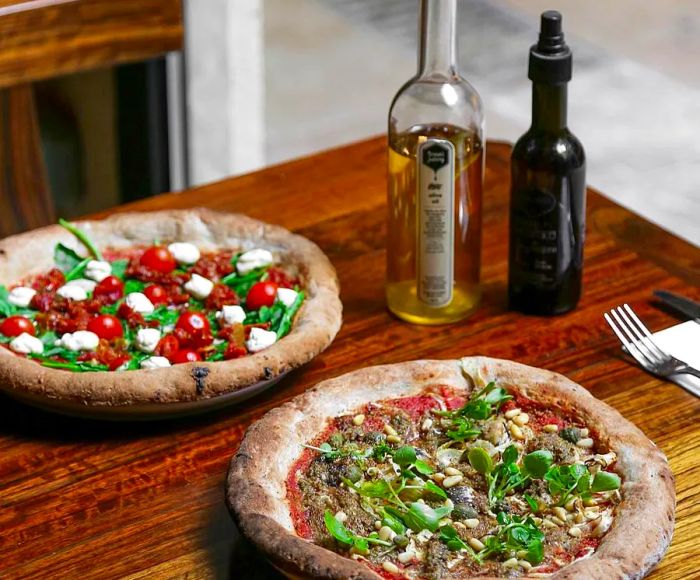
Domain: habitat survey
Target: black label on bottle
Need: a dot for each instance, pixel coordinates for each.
(541, 227)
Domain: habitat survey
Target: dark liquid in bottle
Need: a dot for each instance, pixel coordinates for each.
(547, 223)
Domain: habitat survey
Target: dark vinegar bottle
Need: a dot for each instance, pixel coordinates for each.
(548, 189)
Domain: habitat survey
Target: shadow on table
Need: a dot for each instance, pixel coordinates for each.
(229, 555)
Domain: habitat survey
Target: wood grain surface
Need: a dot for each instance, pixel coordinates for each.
(80, 498)
(46, 38)
(25, 199)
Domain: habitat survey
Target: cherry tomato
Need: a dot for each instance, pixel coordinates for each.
(167, 346)
(184, 356)
(106, 326)
(16, 325)
(193, 322)
(111, 288)
(159, 259)
(156, 294)
(261, 294)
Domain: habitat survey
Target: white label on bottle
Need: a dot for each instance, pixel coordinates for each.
(435, 251)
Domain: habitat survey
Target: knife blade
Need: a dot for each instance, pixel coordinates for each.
(681, 304)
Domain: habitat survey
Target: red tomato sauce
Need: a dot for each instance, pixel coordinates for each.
(300, 517)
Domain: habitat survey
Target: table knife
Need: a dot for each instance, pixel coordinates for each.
(681, 304)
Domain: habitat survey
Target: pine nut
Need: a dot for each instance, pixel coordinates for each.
(524, 564)
(476, 544)
(516, 432)
(448, 503)
(386, 533)
(570, 504)
(471, 523)
(378, 524)
(427, 424)
(390, 567)
(341, 517)
(575, 532)
(560, 512)
(389, 430)
(452, 471)
(358, 419)
(405, 557)
(558, 521)
(393, 439)
(551, 428)
(511, 563)
(451, 481)
(584, 432)
(549, 524)
(586, 443)
(512, 413)
(538, 521)
(460, 526)
(438, 476)
(521, 419)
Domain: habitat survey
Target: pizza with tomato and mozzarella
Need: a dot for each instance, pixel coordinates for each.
(452, 469)
(162, 306)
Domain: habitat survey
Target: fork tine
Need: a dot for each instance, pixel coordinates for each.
(638, 336)
(632, 346)
(631, 349)
(649, 337)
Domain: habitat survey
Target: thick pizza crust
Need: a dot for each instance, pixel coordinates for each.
(315, 325)
(256, 487)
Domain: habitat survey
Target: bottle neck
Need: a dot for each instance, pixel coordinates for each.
(549, 106)
(437, 38)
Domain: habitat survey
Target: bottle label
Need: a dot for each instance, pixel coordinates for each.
(435, 217)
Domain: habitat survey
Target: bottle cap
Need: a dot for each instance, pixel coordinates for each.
(550, 58)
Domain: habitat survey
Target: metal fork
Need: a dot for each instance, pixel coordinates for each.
(640, 343)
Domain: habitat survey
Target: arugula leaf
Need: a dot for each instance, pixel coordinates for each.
(163, 315)
(450, 536)
(66, 259)
(433, 489)
(76, 366)
(565, 480)
(79, 270)
(486, 402)
(605, 481)
(82, 236)
(132, 285)
(393, 520)
(507, 475)
(6, 308)
(404, 456)
(462, 429)
(285, 322)
(532, 502)
(480, 460)
(421, 516)
(242, 284)
(538, 462)
(119, 268)
(422, 467)
(513, 535)
(338, 530)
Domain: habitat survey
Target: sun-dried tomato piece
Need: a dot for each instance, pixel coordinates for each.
(220, 295)
(50, 281)
(281, 278)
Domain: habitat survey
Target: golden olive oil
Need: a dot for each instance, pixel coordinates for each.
(412, 295)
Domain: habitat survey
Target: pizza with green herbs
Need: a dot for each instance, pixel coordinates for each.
(149, 292)
(452, 469)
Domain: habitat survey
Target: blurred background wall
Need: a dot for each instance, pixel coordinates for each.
(264, 81)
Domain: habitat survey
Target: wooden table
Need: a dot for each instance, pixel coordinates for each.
(99, 500)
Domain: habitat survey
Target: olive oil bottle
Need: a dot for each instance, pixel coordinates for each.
(435, 180)
(548, 190)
